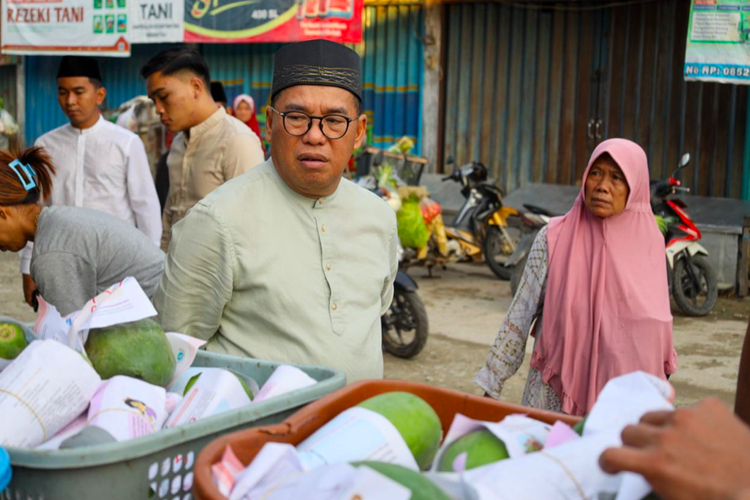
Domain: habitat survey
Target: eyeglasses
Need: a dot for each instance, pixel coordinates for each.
(298, 123)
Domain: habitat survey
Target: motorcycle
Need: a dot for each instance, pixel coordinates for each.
(405, 325)
(481, 226)
(533, 220)
(692, 280)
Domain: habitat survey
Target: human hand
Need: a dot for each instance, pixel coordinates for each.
(28, 289)
(695, 453)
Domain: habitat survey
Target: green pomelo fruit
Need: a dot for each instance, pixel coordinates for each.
(415, 420)
(482, 447)
(139, 349)
(579, 426)
(86, 359)
(195, 378)
(421, 487)
(191, 383)
(246, 387)
(12, 340)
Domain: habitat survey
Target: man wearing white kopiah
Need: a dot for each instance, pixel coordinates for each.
(98, 164)
(290, 262)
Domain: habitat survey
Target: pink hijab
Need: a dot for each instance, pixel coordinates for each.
(606, 308)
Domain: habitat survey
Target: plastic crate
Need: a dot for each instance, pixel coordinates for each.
(159, 466)
(446, 402)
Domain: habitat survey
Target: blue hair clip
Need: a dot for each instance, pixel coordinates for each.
(30, 174)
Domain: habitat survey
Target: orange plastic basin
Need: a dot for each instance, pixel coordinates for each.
(295, 429)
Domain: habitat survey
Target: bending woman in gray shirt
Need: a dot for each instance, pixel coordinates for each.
(78, 252)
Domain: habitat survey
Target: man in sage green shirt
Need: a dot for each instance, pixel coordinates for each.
(290, 262)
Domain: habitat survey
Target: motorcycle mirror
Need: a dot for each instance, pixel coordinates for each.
(684, 160)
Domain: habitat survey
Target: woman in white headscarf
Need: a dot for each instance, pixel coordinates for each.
(244, 110)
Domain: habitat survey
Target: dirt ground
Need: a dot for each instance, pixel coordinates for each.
(466, 305)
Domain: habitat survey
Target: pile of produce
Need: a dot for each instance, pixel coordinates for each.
(399, 437)
(139, 349)
(132, 381)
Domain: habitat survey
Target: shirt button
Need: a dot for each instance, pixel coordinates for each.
(334, 307)
(328, 266)
(323, 228)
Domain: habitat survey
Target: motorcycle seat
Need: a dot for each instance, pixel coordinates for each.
(538, 210)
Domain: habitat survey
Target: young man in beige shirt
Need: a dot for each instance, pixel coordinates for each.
(211, 146)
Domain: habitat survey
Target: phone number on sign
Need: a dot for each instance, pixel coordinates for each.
(699, 70)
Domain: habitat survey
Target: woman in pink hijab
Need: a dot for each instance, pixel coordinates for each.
(243, 108)
(594, 288)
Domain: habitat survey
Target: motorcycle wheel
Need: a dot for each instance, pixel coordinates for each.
(687, 295)
(496, 252)
(405, 326)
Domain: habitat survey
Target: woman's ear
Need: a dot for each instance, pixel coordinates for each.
(3, 213)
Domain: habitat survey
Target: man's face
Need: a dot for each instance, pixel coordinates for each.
(176, 97)
(312, 164)
(80, 100)
(12, 238)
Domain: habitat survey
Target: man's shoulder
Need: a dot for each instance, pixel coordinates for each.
(239, 192)
(235, 127)
(53, 134)
(117, 132)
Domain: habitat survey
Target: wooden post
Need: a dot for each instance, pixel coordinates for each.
(431, 85)
(744, 260)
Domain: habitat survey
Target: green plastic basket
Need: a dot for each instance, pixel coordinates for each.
(159, 466)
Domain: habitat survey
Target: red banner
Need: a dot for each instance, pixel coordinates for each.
(243, 21)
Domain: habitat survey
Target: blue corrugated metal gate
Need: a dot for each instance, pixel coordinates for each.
(391, 67)
(8, 87)
(392, 72)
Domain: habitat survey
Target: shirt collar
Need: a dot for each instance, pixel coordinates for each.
(86, 131)
(207, 124)
(298, 198)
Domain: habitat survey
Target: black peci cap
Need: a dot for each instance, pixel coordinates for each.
(317, 62)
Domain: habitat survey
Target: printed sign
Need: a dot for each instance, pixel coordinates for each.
(53, 27)
(718, 43)
(157, 21)
(241, 21)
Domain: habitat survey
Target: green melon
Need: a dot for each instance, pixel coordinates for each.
(195, 378)
(12, 340)
(139, 349)
(579, 426)
(421, 487)
(482, 447)
(415, 420)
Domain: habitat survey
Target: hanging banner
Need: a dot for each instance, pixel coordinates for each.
(242, 21)
(157, 21)
(55, 27)
(718, 43)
